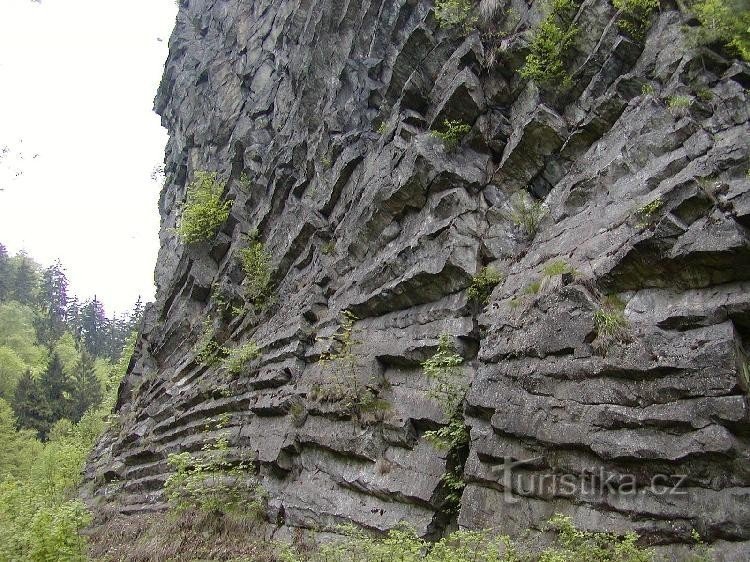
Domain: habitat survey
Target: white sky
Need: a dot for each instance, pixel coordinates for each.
(77, 82)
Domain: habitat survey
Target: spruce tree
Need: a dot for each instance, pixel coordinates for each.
(94, 327)
(86, 388)
(31, 406)
(53, 303)
(24, 280)
(5, 274)
(56, 387)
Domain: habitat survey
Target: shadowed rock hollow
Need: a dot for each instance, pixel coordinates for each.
(317, 115)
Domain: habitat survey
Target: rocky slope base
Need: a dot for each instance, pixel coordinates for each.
(318, 117)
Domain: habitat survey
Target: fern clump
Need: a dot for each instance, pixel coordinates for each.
(204, 210)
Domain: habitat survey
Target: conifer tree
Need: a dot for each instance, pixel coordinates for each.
(31, 406)
(94, 327)
(56, 387)
(86, 388)
(5, 274)
(25, 280)
(53, 303)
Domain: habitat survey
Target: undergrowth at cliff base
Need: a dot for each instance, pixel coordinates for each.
(197, 537)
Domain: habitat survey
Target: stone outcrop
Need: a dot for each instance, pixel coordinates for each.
(318, 117)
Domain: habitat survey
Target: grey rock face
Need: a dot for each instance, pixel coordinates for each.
(325, 108)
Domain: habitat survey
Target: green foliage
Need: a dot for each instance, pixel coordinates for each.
(341, 384)
(211, 482)
(449, 390)
(209, 351)
(452, 133)
(482, 285)
(328, 248)
(611, 325)
(679, 105)
(545, 63)
(559, 267)
(723, 21)
(204, 211)
(526, 213)
(444, 371)
(647, 214)
(256, 263)
(532, 288)
(240, 356)
(647, 90)
(403, 545)
(573, 545)
(454, 13)
(635, 15)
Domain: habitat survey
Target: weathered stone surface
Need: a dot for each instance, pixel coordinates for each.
(317, 115)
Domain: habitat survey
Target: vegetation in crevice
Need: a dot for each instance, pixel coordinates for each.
(452, 134)
(526, 213)
(482, 284)
(213, 483)
(238, 357)
(449, 387)
(340, 383)
(204, 211)
(611, 325)
(256, 263)
(635, 16)
(648, 214)
(559, 267)
(455, 14)
(550, 46)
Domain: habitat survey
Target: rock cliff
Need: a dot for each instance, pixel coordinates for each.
(613, 350)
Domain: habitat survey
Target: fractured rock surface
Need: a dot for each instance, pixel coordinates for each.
(318, 116)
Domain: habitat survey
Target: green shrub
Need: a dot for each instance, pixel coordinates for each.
(454, 13)
(209, 351)
(526, 213)
(482, 285)
(444, 370)
(635, 15)
(256, 263)
(403, 545)
(452, 134)
(724, 21)
(573, 545)
(210, 483)
(204, 211)
(550, 45)
(647, 90)
(240, 356)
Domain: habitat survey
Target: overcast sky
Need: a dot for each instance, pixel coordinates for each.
(78, 78)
